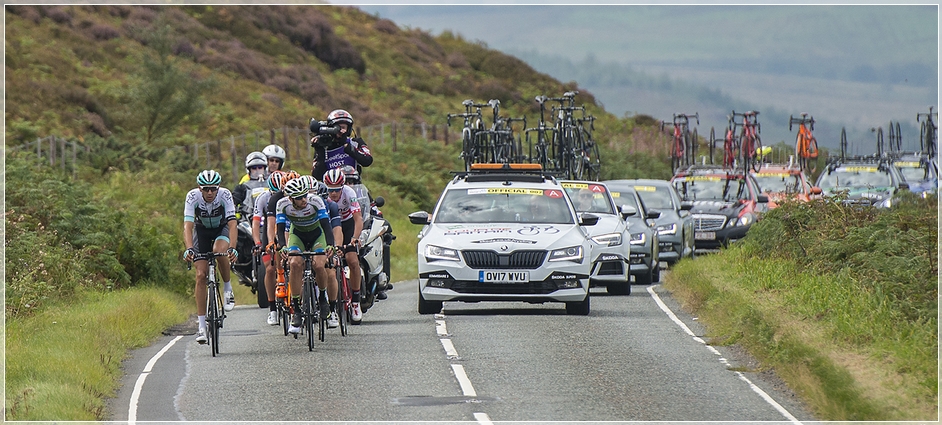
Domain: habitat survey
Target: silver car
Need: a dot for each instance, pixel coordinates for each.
(675, 225)
(644, 241)
(504, 235)
(611, 263)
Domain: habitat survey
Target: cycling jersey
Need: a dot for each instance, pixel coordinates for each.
(348, 203)
(245, 195)
(209, 215)
(310, 223)
(351, 151)
(260, 213)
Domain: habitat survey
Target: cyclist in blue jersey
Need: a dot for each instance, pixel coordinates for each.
(208, 221)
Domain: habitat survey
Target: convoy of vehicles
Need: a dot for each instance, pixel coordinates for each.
(674, 225)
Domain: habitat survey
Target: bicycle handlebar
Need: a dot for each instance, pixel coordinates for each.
(805, 119)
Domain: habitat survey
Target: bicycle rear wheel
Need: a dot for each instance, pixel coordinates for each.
(756, 160)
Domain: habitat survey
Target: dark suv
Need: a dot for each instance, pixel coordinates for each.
(725, 204)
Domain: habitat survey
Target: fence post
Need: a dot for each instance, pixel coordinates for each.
(271, 135)
(424, 133)
(393, 136)
(74, 159)
(39, 151)
(209, 165)
(235, 170)
(52, 150)
(382, 133)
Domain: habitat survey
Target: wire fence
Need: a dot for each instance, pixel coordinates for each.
(228, 154)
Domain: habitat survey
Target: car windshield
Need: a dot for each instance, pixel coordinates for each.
(700, 188)
(625, 197)
(590, 198)
(657, 197)
(503, 205)
(855, 177)
(779, 182)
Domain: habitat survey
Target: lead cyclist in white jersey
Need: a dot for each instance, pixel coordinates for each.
(208, 221)
(351, 222)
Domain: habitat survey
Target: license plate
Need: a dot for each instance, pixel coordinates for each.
(704, 236)
(503, 277)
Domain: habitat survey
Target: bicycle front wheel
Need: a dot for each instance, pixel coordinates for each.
(213, 317)
(343, 300)
(756, 150)
(308, 309)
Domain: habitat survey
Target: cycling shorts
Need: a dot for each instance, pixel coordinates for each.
(204, 238)
(306, 241)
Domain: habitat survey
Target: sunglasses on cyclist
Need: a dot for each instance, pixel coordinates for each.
(334, 190)
(209, 188)
(256, 167)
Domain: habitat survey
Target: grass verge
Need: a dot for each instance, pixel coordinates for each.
(62, 363)
(847, 354)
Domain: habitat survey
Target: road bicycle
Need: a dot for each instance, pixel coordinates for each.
(928, 133)
(750, 143)
(682, 143)
(215, 315)
(881, 152)
(309, 313)
(589, 166)
(502, 148)
(576, 154)
(282, 294)
(806, 146)
(471, 149)
(730, 144)
(540, 150)
(844, 145)
(344, 293)
(895, 139)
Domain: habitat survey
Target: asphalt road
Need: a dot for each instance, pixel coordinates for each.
(634, 358)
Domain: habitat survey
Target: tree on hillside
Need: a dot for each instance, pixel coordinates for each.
(165, 96)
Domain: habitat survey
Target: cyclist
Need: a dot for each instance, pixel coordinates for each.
(271, 226)
(309, 232)
(260, 236)
(208, 220)
(344, 148)
(352, 225)
(333, 212)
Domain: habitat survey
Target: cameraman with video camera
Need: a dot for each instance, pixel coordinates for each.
(336, 144)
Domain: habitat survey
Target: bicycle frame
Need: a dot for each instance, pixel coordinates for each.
(215, 315)
(308, 297)
(749, 140)
(806, 146)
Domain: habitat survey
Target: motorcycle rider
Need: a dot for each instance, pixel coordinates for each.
(344, 147)
(253, 183)
(369, 209)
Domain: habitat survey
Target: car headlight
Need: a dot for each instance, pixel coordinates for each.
(608, 239)
(887, 203)
(667, 229)
(637, 239)
(433, 252)
(573, 253)
(746, 219)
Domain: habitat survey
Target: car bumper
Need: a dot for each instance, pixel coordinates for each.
(462, 284)
(609, 268)
(719, 238)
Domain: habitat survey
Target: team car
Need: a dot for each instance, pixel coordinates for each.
(610, 263)
(725, 204)
(675, 225)
(781, 182)
(645, 258)
(503, 232)
(921, 172)
(863, 181)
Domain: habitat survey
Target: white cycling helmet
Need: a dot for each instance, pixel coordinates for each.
(255, 159)
(296, 189)
(275, 151)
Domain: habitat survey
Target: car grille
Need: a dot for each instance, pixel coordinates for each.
(708, 222)
(514, 260)
(530, 288)
(611, 268)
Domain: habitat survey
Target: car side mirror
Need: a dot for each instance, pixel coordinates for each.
(686, 205)
(628, 211)
(654, 214)
(587, 219)
(419, 217)
(815, 190)
(379, 201)
(763, 199)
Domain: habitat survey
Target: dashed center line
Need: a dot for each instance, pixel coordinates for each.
(466, 388)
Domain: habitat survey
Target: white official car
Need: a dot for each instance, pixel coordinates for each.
(504, 233)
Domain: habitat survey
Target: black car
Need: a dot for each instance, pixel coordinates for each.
(725, 204)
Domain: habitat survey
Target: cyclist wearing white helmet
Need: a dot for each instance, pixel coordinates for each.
(276, 157)
(208, 222)
(336, 144)
(352, 225)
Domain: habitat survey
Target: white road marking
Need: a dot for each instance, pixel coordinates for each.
(765, 396)
(466, 387)
(136, 394)
(440, 328)
(483, 419)
(449, 349)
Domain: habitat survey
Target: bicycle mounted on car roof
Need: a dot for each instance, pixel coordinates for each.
(683, 143)
(806, 146)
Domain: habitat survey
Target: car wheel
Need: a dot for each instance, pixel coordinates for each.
(580, 308)
(429, 307)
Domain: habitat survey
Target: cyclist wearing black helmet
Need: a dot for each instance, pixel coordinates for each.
(336, 144)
